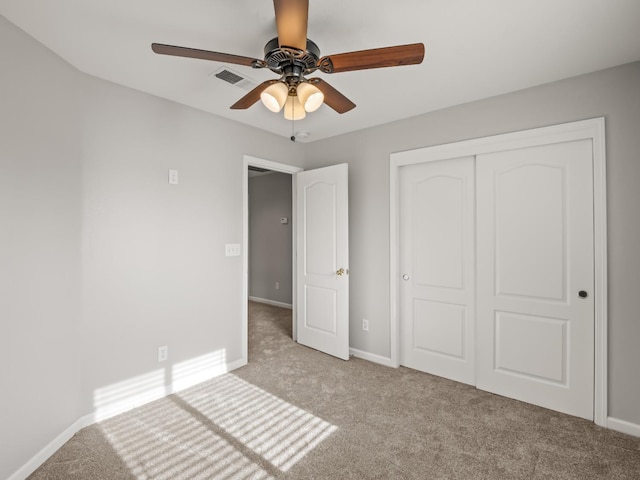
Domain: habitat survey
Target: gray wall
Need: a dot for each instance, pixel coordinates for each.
(101, 261)
(612, 93)
(270, 249)
(40, 256)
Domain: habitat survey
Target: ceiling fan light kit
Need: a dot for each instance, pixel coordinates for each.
(274, 96)
(293, 56)
(293, 109)
(310, 97)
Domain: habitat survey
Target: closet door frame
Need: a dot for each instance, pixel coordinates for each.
(593, 129)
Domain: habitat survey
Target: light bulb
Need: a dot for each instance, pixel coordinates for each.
(274, 96)
(310, 96)
(293, 109)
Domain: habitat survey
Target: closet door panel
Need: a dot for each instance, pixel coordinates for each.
(437, 262)
(535, 330)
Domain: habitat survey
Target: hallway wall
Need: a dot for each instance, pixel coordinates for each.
(270, 242)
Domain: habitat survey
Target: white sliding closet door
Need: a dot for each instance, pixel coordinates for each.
(438, 267)
(535, 275)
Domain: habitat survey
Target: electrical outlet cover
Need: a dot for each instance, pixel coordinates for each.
(232, 249)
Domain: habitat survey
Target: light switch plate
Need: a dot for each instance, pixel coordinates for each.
(173, 177)
(163, 353)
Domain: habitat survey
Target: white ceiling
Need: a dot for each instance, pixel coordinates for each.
(474, 49)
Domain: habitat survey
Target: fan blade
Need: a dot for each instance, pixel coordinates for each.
(333, 97)
(253, 96)
(292, 17)
(375, 58)
(205, 55)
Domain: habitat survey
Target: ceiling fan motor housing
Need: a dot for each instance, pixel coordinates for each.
(292, 63)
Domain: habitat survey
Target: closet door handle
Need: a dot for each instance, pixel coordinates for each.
(405, 277)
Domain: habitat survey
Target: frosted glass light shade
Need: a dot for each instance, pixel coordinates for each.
(293, 109)
(274, 96)
(310, 97)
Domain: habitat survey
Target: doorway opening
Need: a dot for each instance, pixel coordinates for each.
(268, 238)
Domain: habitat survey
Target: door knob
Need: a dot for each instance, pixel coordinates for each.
(340, 272)
(405, 277)
(583, 294)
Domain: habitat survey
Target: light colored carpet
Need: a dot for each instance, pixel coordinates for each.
(296, 413)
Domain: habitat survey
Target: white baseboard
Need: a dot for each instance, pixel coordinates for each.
(623, 426)
(39, 458)
(235, 365)
(271, 302)
(372, 357)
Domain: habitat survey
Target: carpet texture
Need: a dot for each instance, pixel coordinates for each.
(295, 413)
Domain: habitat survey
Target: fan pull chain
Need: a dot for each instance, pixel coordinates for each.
(293, 121)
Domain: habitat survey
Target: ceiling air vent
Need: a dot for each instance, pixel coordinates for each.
(234, 78)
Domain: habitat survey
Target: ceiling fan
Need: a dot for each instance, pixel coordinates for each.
(293, 56)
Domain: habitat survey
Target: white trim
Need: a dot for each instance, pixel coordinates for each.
(564, 132)
(394, 262)
(294, 259)
(54, 445)
(271, 302)
(244, 348)
(276, 167)
(371, 357)
(623, 426)
(39, 458)
(585, 129)
(228, 367)
(271, 165)
(601, 383)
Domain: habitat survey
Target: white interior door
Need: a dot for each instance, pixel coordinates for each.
(437, 267)
(535, 310)
(323, 260)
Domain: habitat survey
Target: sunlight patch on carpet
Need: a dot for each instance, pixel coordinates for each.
(225, 428)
